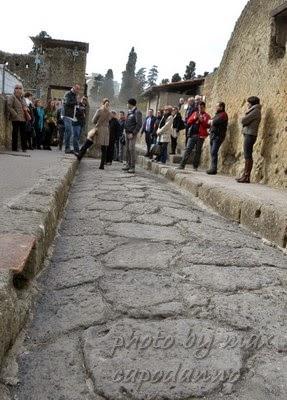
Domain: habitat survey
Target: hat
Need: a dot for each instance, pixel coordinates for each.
(132, 102)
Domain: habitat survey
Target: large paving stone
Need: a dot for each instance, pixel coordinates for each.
(106, 205)
(141, 208)
(65, 310)
(82, 227)
(263, 309)
(127, 196)
(64, 274)
(216, 254)
(61, 376)
(156, 219)
(115, 216)
(234, 238)
(185, 215)
(141, 231)
(140, 255)
(232, 279)
(163, 360)
(70, 247)
(142, 293)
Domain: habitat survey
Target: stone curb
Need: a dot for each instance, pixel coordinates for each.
(264, 218)
(34, 214)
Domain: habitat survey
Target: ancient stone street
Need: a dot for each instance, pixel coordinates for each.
(149, 296)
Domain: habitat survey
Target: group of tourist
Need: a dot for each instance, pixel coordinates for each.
(190, 118)
(116, 134)
(38, 126)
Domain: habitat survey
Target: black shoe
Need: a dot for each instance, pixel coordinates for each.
(69, 152)
(211, 172)
(101, 167)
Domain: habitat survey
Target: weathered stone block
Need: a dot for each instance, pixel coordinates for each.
(191, 184)
(267, 220)
(223, 201)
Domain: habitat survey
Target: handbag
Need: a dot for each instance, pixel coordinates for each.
(27, 115)
(92, 133)
(156, 149)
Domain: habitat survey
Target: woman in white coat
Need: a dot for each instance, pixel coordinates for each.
(164, 133)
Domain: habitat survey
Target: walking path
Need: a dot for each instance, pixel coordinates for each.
(149, 297)
(20, 171)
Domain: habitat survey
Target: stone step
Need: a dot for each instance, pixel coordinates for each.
(15, 251)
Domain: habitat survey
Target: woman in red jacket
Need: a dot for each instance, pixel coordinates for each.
(198, 131)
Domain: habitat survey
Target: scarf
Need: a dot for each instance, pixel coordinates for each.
(163, 120)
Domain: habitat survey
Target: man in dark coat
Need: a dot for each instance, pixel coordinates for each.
(115, 132)
(218, 130)
(191, 108)
(70, 102)
(132, 127)
(147, 129)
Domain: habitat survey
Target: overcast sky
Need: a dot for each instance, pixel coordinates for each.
(165, 33)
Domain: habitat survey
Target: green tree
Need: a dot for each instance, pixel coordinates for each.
(95, 91)
(107, 88)
(152, 76)
(164, 81)
(128, 80)
(176, 78)
(190, 71)
(141, 81)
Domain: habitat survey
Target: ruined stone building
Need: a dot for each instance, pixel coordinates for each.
(52, 68)
(255, 63)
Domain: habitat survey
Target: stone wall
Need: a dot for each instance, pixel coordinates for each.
(23, 65)
(58, 70)
(249, 67)
(5, 125)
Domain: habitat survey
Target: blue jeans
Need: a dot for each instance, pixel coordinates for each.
(77, 129)
(194, 142)
(215, 144)
(68, 132)
(163, 154)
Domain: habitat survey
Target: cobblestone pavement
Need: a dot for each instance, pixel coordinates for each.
(150, 296)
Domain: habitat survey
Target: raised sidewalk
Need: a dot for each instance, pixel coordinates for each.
(34, 190)
(258, 207)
